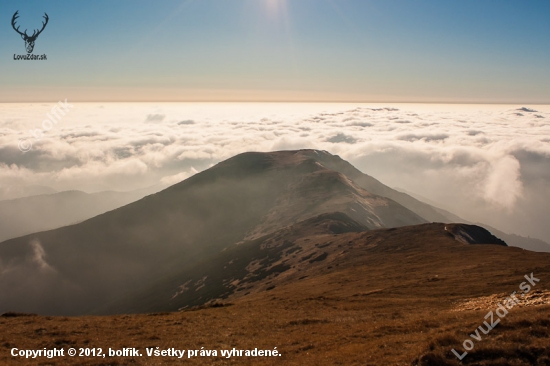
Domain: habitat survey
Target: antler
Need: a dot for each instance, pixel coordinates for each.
(15, 16)
(34, 35)
(44, 23)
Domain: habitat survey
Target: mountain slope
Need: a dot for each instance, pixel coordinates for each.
(75, 269)
(532, 244)
(407, 295)
(424, 209)
(311, 248)
(334, 162)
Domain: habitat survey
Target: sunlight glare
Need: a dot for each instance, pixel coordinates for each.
(275, 7)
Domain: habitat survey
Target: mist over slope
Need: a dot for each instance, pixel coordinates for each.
(75, 269)
(21, 191)
(28, 215)
(319, 246)
(511, 239)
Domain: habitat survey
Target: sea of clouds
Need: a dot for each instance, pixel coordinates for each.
(485, 163)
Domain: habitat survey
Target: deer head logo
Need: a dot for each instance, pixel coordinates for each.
(29, 40)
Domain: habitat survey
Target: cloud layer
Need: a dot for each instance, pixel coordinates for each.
(486, 163)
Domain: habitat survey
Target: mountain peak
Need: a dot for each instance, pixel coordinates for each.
(83, 267)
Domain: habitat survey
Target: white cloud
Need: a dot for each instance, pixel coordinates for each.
(176, 178)
(503, 186)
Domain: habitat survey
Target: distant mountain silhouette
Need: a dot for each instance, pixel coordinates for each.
(50, 211)
(512, 240)
(13, 192)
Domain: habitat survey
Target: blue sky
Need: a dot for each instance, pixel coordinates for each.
(292, 50)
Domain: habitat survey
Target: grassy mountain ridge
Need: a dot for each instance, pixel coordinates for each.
(132, 246)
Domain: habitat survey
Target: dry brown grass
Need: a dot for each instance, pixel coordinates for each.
(315, 330)
(390, 301)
